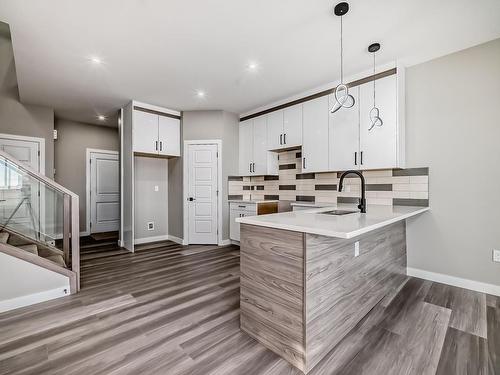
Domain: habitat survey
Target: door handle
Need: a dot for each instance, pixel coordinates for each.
(281, 139)
(156, 145)
(161, 145)
(253, 167)
(191, 199)
(250, 168)
(304, 163)
(361, 157)
(356, 158)
(284, 138)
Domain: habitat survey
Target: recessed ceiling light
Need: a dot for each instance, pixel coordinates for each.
(200, 94)
(101, 118)
(253, 66)
(96, 60)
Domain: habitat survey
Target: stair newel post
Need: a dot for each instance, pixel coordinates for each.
(75, 238)
(66, 227)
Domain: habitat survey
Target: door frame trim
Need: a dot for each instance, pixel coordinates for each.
(41, 147)
(217, 142)
(88, 152)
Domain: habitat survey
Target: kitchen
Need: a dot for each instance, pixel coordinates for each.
(301, 190)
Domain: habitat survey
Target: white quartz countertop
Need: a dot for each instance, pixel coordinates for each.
(344, 226)
(252, 201)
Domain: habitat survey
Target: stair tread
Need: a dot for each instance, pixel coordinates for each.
(30, 248)
(4, 236)
(56, 259)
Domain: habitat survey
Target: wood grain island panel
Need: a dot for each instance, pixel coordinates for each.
(302, 293)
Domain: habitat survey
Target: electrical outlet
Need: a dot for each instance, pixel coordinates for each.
(496, 255)
(356, 249)
(151, 225)
(157, 188)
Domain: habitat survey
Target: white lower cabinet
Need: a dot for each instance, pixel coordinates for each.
(237, 210)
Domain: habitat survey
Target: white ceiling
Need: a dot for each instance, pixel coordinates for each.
(162, 51)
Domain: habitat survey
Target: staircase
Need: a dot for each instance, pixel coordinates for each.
(44, 251)
(39, 236)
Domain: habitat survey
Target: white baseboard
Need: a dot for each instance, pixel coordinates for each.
(139, 241)
(233, 242)
(225, 242)
(455, 281)
(176, 239)
(30, 299)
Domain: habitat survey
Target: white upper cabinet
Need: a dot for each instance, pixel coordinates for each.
(275, 130)
(315, 135)
(284, 128)
(246, 147)
(145, 132)
(259, 166)
(344, 135)
(169, 136)
(379, 147)
(156, 134)
(292, 126)
(254, 157)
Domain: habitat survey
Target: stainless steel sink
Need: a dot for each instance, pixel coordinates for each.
(338, 212)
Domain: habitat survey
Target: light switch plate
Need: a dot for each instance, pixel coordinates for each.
(157, 188)
(496, 255)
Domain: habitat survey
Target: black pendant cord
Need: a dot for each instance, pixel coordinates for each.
(341, 51)
(374, 79)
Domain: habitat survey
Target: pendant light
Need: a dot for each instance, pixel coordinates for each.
(375, 119)
(342, 97)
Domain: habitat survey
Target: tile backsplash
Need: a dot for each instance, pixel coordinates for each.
(408, 187)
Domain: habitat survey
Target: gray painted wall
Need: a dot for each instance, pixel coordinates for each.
(150, 205)
(200, 125)
(70, 152)
(453, 126)
(15, 117)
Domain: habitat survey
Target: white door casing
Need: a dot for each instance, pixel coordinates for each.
(104, 191)
(202, 193)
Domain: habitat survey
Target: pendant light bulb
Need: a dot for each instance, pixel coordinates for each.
(342, 97)
(375, 119)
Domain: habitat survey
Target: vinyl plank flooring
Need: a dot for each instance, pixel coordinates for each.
(463, 353)
(468, 307)
(493, 319)
(172, 309)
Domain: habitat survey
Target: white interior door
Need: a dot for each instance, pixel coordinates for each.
(104, 192)
(202, 193)
(13, 187)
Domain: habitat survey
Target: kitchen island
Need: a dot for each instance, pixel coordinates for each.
(308, 277)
